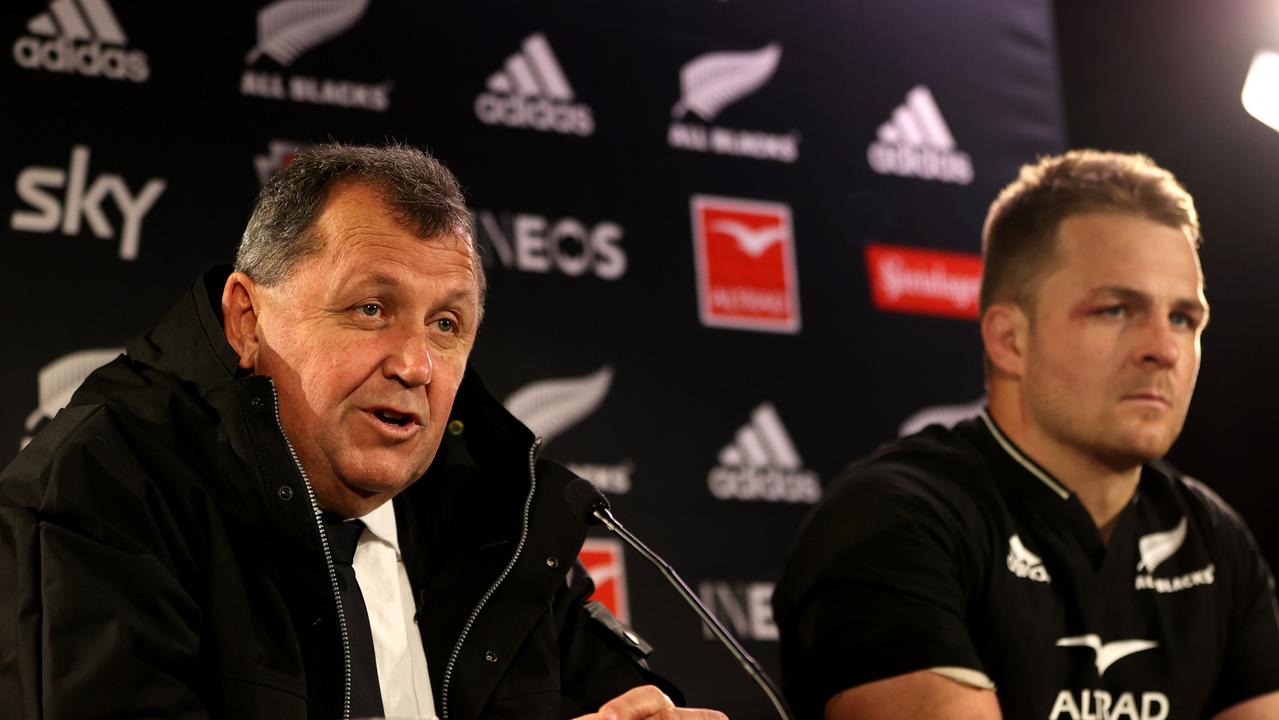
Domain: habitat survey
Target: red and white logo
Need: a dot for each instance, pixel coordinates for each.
(926, 282)
(606, 563)
(745, 253)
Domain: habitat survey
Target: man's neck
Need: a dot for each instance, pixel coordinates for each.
(1103, 489)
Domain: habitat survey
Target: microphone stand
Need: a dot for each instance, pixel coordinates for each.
(752, 667)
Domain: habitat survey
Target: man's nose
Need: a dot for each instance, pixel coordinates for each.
(1159, 343)
(409, 360)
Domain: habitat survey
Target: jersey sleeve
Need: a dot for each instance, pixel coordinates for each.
(878, 585)
(1251, 662)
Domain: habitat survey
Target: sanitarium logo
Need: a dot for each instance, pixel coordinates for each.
(81, 37)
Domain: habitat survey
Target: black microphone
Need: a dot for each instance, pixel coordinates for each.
(589, 503)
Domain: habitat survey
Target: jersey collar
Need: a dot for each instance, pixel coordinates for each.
(1017, 455)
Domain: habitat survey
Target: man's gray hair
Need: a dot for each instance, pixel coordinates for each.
(421, 192)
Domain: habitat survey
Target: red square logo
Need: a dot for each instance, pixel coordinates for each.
(924, 282)
(745, 254)
(606, 565)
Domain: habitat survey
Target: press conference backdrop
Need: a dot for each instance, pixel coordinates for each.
(731, 245)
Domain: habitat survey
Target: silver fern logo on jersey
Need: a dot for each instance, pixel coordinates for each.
(551, 407)
(287, 30)
(711, 83)
(1158, 547)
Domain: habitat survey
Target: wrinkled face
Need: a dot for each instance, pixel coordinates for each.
(367, 343)
(1114, 344)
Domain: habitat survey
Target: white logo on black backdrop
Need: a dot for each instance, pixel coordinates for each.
(58, 380)
(549, 407)
(915, 142)
(762, 464)
(83, 200)
(531, 91)
(1089, 704)
(747, 606)
(711, 83)
(289, 28)
(538, 244)
(80, 36)
(948, 415)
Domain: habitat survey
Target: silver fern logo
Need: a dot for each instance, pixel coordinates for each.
(58, 381)
(550, 407)
(1155, 549)
(716, 80)
(712, 82)
(286, 30)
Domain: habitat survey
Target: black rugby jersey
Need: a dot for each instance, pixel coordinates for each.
(951, 548)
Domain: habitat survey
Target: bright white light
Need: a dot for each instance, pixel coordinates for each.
(1261, 89)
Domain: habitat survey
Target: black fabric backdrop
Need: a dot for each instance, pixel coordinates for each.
(139, 133)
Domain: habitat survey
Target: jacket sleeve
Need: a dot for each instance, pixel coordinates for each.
(94, 619)
(600, 656)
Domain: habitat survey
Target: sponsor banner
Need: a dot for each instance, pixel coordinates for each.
(712, 82)
(532, 243)
(58, 381)
(81, 37)
(286, 30)
(761, 463)
(80, 197)
(916, 142)
(605, 561)
(924, 282)
(744, 607)
(745, 255)
(532, 92)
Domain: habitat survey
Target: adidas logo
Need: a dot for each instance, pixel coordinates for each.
(915, 142)
(289, 28)
(74, 36)
(531, 91)
(550, 407)
(712, 82)
(1025, 564)
(761, 464)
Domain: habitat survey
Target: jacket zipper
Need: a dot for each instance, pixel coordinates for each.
(328, 560)
(475, 612)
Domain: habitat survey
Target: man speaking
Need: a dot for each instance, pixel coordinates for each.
(291, 499)
(1038, 561)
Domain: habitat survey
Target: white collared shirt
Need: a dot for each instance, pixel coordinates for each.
(397, 644)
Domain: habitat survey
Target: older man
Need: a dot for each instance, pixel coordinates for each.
(292, 499)
(1038, 561)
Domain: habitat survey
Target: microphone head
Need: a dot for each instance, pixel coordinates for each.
(584, 499)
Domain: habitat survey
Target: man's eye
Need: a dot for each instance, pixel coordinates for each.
(370, 310)
(446, 325)
(1183, 320)
(1114, 311)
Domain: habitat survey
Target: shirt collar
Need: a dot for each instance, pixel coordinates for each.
(381, 523)
(1016, 454)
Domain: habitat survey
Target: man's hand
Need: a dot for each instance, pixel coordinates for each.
(648, 703)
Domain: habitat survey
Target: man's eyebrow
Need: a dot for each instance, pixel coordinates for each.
(1132, 295)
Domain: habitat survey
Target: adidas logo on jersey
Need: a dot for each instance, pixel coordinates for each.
(915, 142)
(550, 407)
(531, 91)
(1025, 564)
(762, 464)
(286, 30)
(712, 82)
(82, 37)
(1157, 547)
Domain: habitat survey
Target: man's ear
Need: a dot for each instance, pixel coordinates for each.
(1005, 331)
(240, 296)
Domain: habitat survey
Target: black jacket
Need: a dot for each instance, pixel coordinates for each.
(160, 556)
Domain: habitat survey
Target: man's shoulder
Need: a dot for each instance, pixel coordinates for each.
(937, 463)
(1216, 517)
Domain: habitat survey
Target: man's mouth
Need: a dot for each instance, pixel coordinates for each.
(397, 418)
